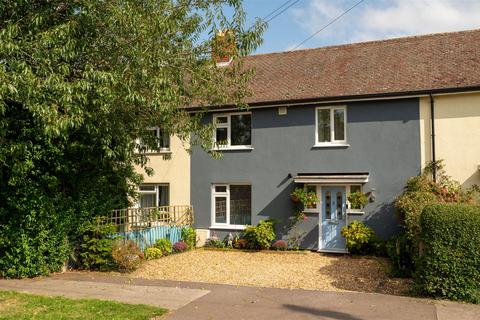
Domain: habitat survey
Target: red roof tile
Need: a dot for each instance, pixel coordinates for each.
(419, 63)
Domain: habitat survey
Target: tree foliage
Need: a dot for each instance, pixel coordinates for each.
(79, 82)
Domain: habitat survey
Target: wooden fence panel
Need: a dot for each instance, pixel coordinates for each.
(145, 226)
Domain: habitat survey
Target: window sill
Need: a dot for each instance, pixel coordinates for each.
(331, 145)
(233, 148)
(159, 152)
(228, 227)
(355, 212)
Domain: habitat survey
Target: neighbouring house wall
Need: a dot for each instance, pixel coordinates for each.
(384, 140)
(172, 168)
(457, 130)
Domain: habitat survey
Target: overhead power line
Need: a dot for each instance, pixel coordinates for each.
(328, 24)
(278, 8)
(272, 15)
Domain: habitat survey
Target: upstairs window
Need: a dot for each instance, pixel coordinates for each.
(162, 139)
(233, 130)
(153, 195)
(331, 126)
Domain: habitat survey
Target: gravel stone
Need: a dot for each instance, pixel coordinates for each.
(311, 271)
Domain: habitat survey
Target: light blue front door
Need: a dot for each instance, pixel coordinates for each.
(333, 218)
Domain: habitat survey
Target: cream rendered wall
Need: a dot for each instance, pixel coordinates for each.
(172, 168)
(457, 130)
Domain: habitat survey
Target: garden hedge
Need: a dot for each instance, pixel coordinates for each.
(450, 264)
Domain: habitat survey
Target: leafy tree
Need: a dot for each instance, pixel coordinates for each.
(79, 82)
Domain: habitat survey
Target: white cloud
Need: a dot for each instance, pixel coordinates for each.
(380, 19)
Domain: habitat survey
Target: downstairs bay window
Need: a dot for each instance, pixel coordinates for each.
(231, 205)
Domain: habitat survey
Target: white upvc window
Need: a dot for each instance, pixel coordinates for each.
(153, 195)
(163, 141)
(233, 130)
(331, 126)
(231, 205)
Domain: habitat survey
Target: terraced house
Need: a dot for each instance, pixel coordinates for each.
(170, 183)
(336, 120)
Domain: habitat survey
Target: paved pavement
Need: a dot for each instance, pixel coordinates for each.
(170, 298)
(211, 301)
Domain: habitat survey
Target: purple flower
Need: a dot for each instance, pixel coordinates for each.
(180, 246)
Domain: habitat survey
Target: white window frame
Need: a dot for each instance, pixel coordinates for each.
(332, 141)
(157, 135)
(228, 125)
(226, 194)
(156, 192)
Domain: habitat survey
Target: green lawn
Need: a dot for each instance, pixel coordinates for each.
(14, 305)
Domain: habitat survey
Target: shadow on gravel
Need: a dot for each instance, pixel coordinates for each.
(365, 274)
(321, 312)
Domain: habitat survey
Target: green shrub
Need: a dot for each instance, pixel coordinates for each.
(164, 245)
(400, 251)
(410, 205)
(50, 185)
(450, 264)
(127, 255)
(214, 243)
(153, 253)
(360, 239)
(32, 251)
(261, 236)
(422, 190)
(95, 250)
(189, 236)
(240, 244)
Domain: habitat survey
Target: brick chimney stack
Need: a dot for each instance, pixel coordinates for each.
(223, 47)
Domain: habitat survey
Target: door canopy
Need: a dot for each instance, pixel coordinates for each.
(332, 178)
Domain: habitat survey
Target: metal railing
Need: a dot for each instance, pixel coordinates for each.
(132, 219)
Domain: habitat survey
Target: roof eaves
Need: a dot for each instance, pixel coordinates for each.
(337, 99)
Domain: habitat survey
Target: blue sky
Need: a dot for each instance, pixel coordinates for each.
(371, 20)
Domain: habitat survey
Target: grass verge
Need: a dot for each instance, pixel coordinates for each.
(14, 305)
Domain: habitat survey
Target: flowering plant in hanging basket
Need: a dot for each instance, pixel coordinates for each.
(305, 197)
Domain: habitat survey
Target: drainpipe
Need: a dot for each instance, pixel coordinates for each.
(432, 121)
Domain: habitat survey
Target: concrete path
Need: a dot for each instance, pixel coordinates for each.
(170, 298)
(211, 301)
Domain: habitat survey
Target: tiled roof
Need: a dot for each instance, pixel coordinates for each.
(410, 64)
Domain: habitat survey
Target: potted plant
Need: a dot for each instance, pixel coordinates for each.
(303, 196)
(357, 201)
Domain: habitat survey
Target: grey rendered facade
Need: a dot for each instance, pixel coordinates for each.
(383, 139)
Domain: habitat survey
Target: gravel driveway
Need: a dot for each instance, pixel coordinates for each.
(312, 271)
